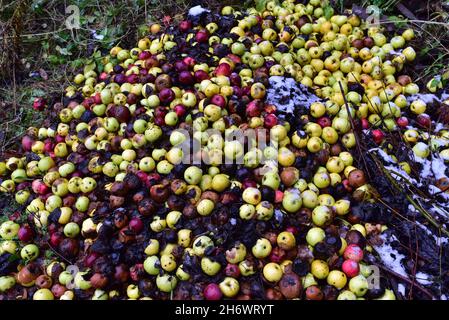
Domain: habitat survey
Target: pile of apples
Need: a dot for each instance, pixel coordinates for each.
(105, 190)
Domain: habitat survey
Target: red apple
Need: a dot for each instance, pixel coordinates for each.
(235, 79)
(424, 120)
(166, 95)
(189, 61)
(181, 66)
(353, 252)
(324, 122)
(48, 145)
(236, 59)
(186, 78)
(90, 259)
(185, 25)
(365, 123)
(180, 110)
(27, 142)
(136, 272)
(292, 229)
(232, 270)
(143, 176)
(378, 136)
(39, 104)
(277, 255)
(212, 292)
(278, 196)
(248, 183)
(103, 76)
(132, 78)
(270, 121)
(254, 108)
(201, 75)
(202, 36)
(218, 100)
(97, 98)
(56, 238)
(39, 187)
(246, 90)
(223, 69)
(25, 233)
(136, 225)
(59, 138)
(144, 55)
(347, 185)
(350, 268)
(402, 122)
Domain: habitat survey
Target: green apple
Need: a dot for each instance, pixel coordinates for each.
(80, 282)
(29, 252)
(209, 266)
(200, 245)
(315, 235)
(9, 230)
(166, 282)
(262, 248)
(152, 265)
(43, 294)
(292, 200)
(229, 287)
(192, 175)
(6, 283)
(71, 230)
(272, 272)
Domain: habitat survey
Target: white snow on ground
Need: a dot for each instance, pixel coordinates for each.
(438, 240)
(438, 167)
(427, 97)
(197, 10)
(440, 211)
(285, 93)
(96, 35)
(432, 170)
(401, 289)
(390, 256)
(423, 278)
(439, 126)
(383, 154)
(278, 215)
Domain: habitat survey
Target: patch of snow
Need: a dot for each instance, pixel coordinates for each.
(401, 289)
(96, 35)
(438, 240)
(438, 167)
(440, 126)
(440, 142)
(390, 256)
(428, 97)
(423, 278)
(288, 95)
(271, 165)
(440, 211)
(197, 10)
(383, 154)
(426, 171)
(395, 53)
(278, 215)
